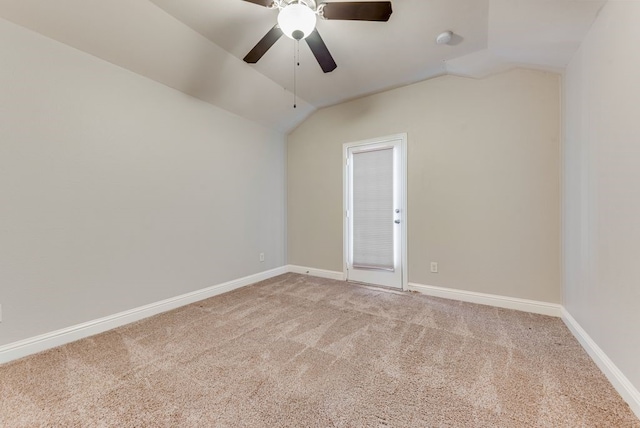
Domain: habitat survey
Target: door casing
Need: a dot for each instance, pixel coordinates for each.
(403, 200)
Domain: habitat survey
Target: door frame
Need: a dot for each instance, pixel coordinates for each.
(403, 198)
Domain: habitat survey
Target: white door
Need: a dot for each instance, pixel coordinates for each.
(375, 206)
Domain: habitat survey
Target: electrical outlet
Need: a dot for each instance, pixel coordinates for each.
(261, 257)
(434, 267)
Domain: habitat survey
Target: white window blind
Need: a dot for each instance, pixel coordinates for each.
(373, 209)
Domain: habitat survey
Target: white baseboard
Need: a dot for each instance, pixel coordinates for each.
(533, 306)
(330, 274)
(619, 381)
(525, 305)
(46, 341)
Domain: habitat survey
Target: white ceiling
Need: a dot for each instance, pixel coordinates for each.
(371, 56)
(197, 46)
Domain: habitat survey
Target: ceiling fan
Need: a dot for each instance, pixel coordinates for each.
(297, 20)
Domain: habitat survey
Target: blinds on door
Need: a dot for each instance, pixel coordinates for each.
(373, 209)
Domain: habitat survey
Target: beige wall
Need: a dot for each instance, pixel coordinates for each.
(483, 181)
(602, 187)
(116, 191)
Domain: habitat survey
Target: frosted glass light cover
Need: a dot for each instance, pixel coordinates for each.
(297, 16)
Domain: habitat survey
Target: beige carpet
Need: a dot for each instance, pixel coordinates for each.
(307, 352)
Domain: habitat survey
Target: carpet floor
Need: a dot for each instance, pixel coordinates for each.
(301, 351)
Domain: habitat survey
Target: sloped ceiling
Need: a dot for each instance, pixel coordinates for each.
(197, 46)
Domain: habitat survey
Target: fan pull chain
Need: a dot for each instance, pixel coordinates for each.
(296, 64)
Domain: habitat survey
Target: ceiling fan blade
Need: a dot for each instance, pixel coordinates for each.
(320, 51)
(358, 11)
(265, 3)
(263, 45)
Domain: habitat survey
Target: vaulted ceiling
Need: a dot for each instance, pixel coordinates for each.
(197, 46)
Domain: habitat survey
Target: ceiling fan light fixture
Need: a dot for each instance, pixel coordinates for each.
(297, 18)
